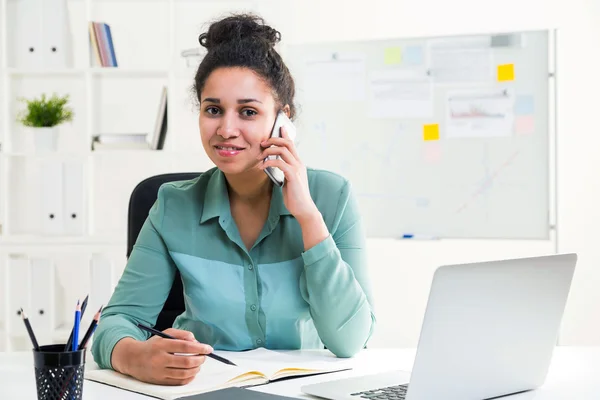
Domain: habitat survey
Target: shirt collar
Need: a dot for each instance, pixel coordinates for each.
(216, 199)
(277, 204)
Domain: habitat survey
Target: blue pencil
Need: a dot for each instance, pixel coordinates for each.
(76, 327)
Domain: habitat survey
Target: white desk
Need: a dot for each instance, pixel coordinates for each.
(574, 374)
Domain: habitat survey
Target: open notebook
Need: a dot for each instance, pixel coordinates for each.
(255, 367)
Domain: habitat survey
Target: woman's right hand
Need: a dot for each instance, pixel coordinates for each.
(154, 361)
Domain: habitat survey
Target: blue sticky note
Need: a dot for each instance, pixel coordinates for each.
(524, 105)
(413, 55)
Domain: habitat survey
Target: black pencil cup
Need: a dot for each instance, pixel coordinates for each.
(59, 373)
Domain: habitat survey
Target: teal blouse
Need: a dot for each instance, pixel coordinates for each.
(275, 295)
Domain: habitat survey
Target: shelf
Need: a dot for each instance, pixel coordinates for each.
(49, 156)
(123, 151)
(129, 72)
(83, 154)
(34, 240)
(157, 153)
(16, 72)
(132, 1)
(138, 1)
(95, 71)
(100, 153)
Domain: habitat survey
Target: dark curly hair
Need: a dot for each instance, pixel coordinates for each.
(243, 40)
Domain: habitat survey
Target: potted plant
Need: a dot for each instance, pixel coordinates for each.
(43, 116)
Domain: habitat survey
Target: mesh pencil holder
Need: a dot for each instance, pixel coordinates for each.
(59, 373)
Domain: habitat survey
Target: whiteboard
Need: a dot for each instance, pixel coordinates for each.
(443, 137)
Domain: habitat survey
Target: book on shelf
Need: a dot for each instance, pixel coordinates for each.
(254, 367)
(157, 141)
(108, 141)
(102, 49)
(141, 141)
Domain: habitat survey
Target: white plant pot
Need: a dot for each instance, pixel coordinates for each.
(45, 140)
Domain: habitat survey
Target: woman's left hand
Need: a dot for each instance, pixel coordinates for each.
(296, 195)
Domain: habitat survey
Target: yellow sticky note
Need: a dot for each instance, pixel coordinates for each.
(431, 132)
(393, 55)
(506, 72)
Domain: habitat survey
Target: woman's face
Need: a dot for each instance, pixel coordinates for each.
(237, 112)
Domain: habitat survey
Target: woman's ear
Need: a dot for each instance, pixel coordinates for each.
(286, 110)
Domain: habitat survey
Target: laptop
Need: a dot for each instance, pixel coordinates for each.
(489, 330)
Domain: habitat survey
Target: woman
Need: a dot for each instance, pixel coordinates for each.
(262, 266)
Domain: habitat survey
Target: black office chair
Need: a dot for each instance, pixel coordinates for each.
(142, 198)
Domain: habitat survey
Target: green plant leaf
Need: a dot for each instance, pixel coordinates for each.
(46, 112)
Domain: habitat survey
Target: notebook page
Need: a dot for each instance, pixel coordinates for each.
(269, 362)
(284, 356)
(216, 375)
(213, 375)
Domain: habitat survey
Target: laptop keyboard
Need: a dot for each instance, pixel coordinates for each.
(386, 393)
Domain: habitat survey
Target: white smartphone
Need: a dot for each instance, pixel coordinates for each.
(277, 175)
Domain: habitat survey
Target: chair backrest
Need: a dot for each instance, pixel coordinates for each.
(141, 201)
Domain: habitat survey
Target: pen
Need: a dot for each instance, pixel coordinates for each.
(69, 344)
(164, 335)
(36, 347)
(90, 330)
(76, 327)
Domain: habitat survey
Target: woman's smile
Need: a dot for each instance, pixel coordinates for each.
(227, 150)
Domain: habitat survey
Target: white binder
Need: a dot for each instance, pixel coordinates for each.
(28, 33)
(74, 198)
(42, 34)
(101, 281)
(56, 44)
(41, 312)
(2, 207)
(51, 203)
(19, 287)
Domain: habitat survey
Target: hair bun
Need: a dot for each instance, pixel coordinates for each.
(239, 27)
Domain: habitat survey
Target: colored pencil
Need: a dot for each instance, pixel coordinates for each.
(90, 331)
(69, 344)
(76, 327)
(34, 341)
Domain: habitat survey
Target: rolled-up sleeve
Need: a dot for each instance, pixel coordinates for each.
(335, 282)
(141, 292)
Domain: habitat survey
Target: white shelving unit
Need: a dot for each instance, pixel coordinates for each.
(88, 256)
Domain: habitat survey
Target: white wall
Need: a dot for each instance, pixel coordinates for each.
(579, 184)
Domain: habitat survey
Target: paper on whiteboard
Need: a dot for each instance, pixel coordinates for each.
(432, 152)
(400, 93)
(479, 114)
(337, 77)
(461, 65)
(461, 43)
(461, 60)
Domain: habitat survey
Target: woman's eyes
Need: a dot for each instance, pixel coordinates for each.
(212, 110)
(247, 112)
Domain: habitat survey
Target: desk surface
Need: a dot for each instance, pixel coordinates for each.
(574, 374)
